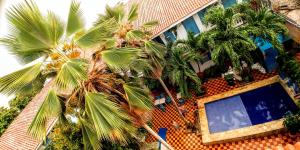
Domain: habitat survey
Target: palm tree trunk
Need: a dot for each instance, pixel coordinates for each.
(158, 137)
(173, 100)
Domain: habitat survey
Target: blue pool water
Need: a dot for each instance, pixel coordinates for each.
(250, 108)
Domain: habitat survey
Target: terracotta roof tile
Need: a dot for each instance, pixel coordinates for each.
(16, 137)
(167, 12)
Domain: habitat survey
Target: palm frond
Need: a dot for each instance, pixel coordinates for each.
(75, 20)
(71, 74)
(32, 34)
(120, 58)
(55, 27)
(89, 136)
(99, 33)
(137, 96)
(15, 81)
(135, 35)
(150, 24)
(155, 49)
(132, 15)
(108, 118)
(51, 107)
(117, 13)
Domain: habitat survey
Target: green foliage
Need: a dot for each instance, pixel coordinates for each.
(263, 23)
(292, 122)
(289, 65)
(72, 73)
(138, 97)
(7, 115)
(225, 40)
(15, 81)
(179, 70)
(75, 21)
(66, 137)
(69, 137)
(51, 107)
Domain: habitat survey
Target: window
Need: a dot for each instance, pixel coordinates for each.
(158, 40)
(170, 36)
(228, 3)
(190, 25)
(201, 13)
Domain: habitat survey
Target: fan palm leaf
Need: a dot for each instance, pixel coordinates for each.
(137, 97)
(107, 117)
(120, 58)
(75, 20)
(89, 136)
(133, 15)
(71, 74)
(51, 107)
(15, 81)
(101, 32)
(32, 34)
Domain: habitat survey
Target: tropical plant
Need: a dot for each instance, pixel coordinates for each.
(262, 23)
(150, 62)
(292, 122)
(226, 41)
(107, 107)
(68, 137)
(179, 69)
(289, 65)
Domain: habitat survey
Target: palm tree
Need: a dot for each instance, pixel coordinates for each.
(107, 107)
(151, 61)
(263, 23)
(179, 68)
(226, 41)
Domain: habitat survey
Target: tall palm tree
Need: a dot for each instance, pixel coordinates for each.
(107, 107)
(263, 23)
(226, 41)
(179, 68)
(151, 61)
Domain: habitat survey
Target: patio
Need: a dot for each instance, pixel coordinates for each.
(181, 140)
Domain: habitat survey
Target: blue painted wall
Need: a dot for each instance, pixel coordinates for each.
(191, 26)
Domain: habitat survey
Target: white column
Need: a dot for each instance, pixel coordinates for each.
(199, 23)
(181, 32)
(162, 36)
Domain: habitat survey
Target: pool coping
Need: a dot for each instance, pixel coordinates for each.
(241, 133)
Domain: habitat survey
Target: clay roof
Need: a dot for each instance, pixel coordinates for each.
(167, 12)
(16, 137)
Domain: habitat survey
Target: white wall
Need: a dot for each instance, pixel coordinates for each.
(181, 32)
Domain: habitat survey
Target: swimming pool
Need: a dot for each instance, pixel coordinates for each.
(254, 107)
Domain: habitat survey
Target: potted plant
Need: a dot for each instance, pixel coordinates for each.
(229, 78)
(292, 123)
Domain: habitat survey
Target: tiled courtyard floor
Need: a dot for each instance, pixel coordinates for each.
(181, 140)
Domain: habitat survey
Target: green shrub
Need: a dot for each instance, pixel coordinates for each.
(6, 117)
(292, 122)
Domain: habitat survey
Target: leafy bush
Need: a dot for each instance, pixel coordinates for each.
(6, 117)
(289, 65)
(68, 137)
(292, 122)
